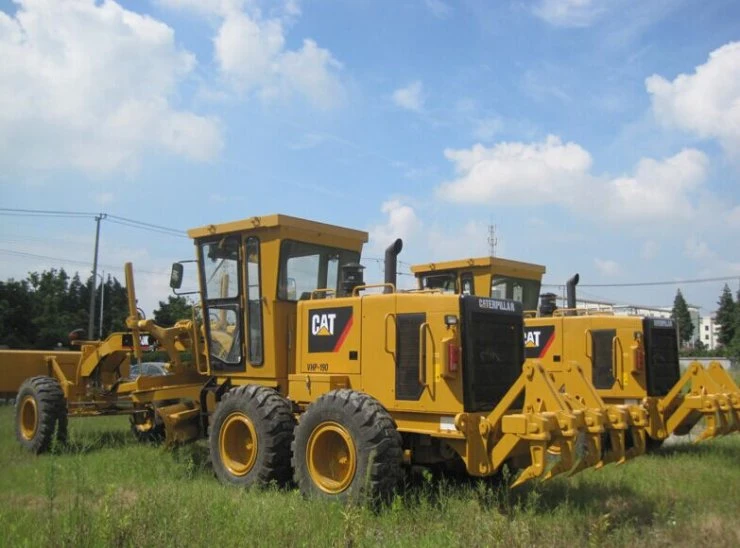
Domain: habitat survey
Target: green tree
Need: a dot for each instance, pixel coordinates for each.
(17, 329)
(733, 347)
(726, 317)
(176, 308)
(39, 312)
(53, 314)
(115, 306)
(680, 314)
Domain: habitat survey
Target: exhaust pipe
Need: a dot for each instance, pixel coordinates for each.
(391, 254)
(570, 286)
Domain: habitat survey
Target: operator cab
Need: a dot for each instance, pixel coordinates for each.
(486, 276)
(251, 274)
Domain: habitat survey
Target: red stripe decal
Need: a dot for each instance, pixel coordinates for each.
(343, 336)
(547, 344)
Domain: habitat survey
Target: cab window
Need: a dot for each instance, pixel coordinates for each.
(304, 268)
(444, 281)
(517, 289)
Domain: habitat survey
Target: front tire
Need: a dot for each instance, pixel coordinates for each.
(250, 436)
(40, 411)
(347, 447)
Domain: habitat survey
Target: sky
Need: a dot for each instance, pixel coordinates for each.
(599, 137)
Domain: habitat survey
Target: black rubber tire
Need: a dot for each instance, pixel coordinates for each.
(273, 421)
(378, 445)
(152, 435)
(51, 412)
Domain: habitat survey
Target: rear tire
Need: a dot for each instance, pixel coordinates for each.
(347, 447)
(250, 436)
(40, 411)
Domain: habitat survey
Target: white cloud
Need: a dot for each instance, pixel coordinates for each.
(250, 52)
(438, 8)
(513, 172)
(706, 102)
(90, 86)
(659, 189)
(607, 267)
(569, 13)
(410, 97)
(553, 172)
(401, 222)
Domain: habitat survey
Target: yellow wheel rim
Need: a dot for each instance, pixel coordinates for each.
(331, 457)
(238, 444)
(145, 426)
(29, 418)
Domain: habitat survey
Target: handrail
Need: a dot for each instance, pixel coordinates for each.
(582, 312)
(616, 342)
(385, 334)
(323, 290)
(423, 353)
(359, 288)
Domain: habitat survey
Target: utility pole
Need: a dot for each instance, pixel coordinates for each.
(492, 240)
(102, 301)
(94, 279)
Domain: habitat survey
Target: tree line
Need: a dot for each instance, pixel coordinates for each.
(40, 311)
(727, 319)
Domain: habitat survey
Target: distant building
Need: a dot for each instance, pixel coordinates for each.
(709, 332)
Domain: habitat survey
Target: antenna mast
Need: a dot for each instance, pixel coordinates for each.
(492, 240)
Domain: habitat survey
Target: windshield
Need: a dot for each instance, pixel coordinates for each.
(304, 268)
(220, 268)
(445, 281)
(524, 291)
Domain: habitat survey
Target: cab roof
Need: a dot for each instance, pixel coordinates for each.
(494, 264)
(278, 220)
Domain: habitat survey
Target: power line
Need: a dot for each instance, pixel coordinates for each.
(648, 284)
(70, 261)
(49, 212)
(116, 219)
(168, 232)
(149, 225)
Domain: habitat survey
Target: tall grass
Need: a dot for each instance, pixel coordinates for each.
(104, 489)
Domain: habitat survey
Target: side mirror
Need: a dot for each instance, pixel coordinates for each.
(176, 276)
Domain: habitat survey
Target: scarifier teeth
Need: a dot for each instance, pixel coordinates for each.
(537, 454)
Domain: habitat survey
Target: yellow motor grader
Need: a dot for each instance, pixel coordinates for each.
(630, 361)
(297, 369)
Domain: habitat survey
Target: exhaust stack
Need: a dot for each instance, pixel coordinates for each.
(570, 286)
(391, 255)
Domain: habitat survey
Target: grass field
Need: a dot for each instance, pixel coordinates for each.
(105, 489)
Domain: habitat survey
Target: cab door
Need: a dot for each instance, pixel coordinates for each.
(221, 272)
